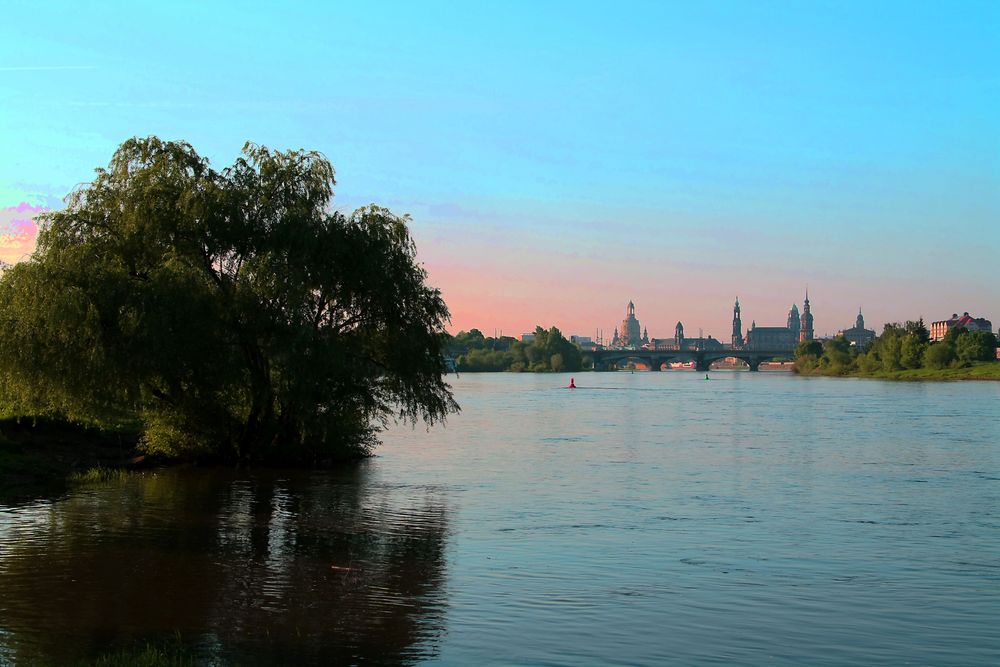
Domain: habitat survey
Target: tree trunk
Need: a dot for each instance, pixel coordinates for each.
(260, 419)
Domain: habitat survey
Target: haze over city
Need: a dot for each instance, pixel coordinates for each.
(563, 159)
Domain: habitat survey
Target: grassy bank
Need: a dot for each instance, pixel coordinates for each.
(148, 656)
(39, 457)
(980, 370)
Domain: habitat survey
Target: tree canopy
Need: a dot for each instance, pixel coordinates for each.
(899, 347)
(549, 350)
(231, 312)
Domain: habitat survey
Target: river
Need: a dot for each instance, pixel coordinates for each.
(642, 519)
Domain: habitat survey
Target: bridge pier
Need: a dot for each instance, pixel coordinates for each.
(700, 364)
(654, 364)
(754, 365)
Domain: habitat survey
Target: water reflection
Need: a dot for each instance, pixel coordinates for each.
(643, 519)
(260, 569)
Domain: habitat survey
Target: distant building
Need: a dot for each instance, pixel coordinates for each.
(629, 333)
(858, 335)
(793, 321)
(770, 338)
(679, 342)
(700, 343)
(806, 321)
(527, 337)
(940, 329)
(737, 341)
(774, 338)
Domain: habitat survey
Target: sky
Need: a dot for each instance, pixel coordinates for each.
(559, 159)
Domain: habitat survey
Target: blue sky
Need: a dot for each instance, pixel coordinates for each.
(559, 160)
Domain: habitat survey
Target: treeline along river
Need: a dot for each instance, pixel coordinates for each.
(641, 519)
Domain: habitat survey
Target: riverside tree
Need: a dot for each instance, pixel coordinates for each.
(232, 312)
(548, 351)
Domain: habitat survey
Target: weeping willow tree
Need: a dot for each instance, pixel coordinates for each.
(231, 313)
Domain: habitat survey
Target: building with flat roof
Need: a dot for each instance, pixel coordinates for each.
(775, 338)
(771, 338)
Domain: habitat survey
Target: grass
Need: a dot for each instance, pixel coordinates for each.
(100, 475)
(38, 456)
(149, 656)
(980, 370)
(983, 370)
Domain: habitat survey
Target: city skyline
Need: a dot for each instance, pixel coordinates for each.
(693, 329)
(559, 160)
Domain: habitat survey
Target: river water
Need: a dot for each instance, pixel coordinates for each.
(642, 519)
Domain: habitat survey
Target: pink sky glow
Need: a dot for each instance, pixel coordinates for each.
(18, 231)
(506, 282)
(511, 286)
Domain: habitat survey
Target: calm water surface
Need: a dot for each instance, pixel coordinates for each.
(644, 519)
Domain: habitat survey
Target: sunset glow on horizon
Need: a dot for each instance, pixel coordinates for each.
(561, 160)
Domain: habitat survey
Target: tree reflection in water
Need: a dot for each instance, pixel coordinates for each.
(262, 569)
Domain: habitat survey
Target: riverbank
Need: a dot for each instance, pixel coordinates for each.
(980, 370)
(40, 457)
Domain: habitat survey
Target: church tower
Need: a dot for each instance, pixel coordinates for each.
(860, 322)
(806, 323)
(679, 336)
(793, 322)
(737, 326)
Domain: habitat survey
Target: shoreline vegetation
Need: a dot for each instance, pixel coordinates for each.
(228, 316)
(904, 352)
(547, 352)
(982, 370)
(44, 457)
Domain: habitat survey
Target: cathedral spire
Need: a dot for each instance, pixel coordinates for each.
(737, 326)
(806, 321)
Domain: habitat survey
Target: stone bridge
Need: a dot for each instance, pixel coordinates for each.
(606, 360)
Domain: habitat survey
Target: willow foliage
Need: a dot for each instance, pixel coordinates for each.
(232, 312)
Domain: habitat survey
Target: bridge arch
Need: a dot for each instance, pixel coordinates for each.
(703, 359)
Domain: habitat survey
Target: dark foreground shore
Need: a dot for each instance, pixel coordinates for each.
(40, 457)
